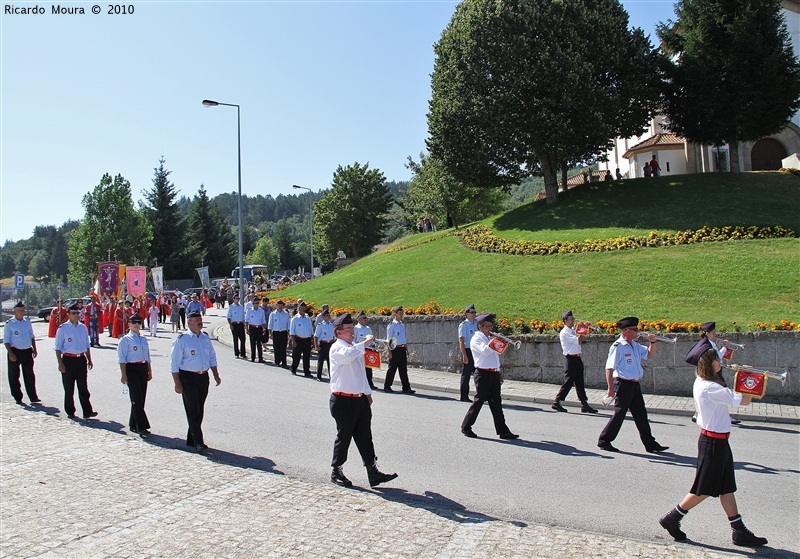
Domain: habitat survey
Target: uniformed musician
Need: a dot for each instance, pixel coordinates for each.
(465, 332)
(714, 476)
(20, 352)
(488, 379)
(623, 373)
(133, 355)
(301, 331)
(74, 362)
(362, 331)
(256, 322)
(278, 326)
(236, 322)
(398, 362)
(573, 366)
(709, 331)
(350, 404)
(323, 338)
(191, 358)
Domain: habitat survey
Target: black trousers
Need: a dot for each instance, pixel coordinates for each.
(467, 371)
(398, 363)
(195, 392)
(353, 422)
(25, 363)
(279, 342)
(487, 387)
(182, 316)
(137, 390)
(76, 372)
(369, 377)
(322, 357)
(303, 348)
(629, 397)
(255, 342)
(238, 339)
(573, 374)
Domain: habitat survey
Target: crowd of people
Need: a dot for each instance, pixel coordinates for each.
(343, 343)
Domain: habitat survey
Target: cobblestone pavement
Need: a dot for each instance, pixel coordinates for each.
(543, 393)
(69, 490)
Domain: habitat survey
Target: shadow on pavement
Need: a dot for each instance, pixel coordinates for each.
(758, 468)
(49, 410)
(767, 428)
(435, 503)
(751, 552)
(550, 446)
(113, 426)
(665, 458)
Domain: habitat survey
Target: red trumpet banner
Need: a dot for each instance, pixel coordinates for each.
(749, 382)
(372, 359)
(498, 345)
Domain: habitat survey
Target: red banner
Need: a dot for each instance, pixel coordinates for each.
(749, 382)
(372, 359)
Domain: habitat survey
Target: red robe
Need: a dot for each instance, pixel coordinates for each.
(206, 301)
(144, 308)
(57, 319)
(100, 318)
(120, 321)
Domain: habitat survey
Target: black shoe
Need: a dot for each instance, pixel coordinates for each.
(607, 446)
(90, 415)
(19, 402)
(376, 477)
(387, 389)
(71, 415)
(201, 448)
(338, 477)
(236, 356)
(261, 361)
(307, 375)
(734, 421)
(657, 448)
(36, 402)
(294, 372)
(558, 407)
(508, 435)
(671, 522)
(409, 391)
(469, 433)
(743, 536)
(694, 419)
(144, 433)
(466, 400)
(253, 360)
(586, 408)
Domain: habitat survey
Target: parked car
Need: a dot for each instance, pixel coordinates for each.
(44, 312)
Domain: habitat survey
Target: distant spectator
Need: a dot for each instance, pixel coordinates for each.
(647, 170)
(608, 176)
(341, 255)
(619, 174)
(655, 168)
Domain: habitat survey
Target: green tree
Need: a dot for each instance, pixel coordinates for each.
(264, 253)
(209, 240)
(521, 87)
(58, 264)
(39, 267)
(110, 223)
(351, 216)
(164, 216)
(733, 76)
(282, 239)
(434, 193)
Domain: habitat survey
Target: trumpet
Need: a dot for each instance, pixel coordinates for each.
(382, 345)
(752, 381)
(734, 345)
(646, 335)
(508, 341)
(583, 327)
(753, 370)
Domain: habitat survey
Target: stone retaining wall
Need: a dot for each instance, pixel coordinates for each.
(434, 345)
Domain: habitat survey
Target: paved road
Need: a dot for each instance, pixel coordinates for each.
(554, 475)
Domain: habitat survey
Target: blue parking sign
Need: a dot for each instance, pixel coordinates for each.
(19, 281)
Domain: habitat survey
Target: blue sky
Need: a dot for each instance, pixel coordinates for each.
(320, 84)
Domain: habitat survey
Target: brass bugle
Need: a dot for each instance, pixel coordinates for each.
(748, 369)
(646, 335)
(587, 324)
(515, 343)
(391, 343)
(734, 345)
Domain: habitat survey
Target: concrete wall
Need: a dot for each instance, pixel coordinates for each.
(433, 341)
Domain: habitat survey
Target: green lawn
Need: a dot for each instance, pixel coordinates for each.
(730, 282)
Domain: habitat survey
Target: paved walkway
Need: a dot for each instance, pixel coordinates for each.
(71, 488)
(543, 393)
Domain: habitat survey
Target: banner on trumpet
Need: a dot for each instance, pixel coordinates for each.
(752, 381)
(372, 359)
(498, 345)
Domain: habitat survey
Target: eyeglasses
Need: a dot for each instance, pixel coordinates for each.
(632, 329)
(74, 312)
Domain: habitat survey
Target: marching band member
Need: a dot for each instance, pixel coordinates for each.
(466, 330)
(488, 379)
(323, 338)
(623, 372)
(362, 331)
(573, 366)
(399, 359)
(74, 361)
(709, 331)
(133, 356)
(351, 404)
(301, 331)
(715, 469)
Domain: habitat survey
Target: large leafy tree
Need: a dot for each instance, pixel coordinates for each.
(434, 193)
(110, 223)
(164, 216)
(264, 253)
(351, 216)
(287, 257)
(522, 87)
(209, 240)
(733, 76)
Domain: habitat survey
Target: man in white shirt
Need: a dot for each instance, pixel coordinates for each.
(398, 362)
(573, 366)
(350, 404)
(488, 379)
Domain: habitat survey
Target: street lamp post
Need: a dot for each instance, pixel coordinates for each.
(311, 221)
(207, 103)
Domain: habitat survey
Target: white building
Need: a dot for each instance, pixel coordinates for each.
(676, 156)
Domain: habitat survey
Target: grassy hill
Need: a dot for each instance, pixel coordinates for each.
(731, 282)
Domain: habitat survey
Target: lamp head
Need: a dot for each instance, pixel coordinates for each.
(209, 103)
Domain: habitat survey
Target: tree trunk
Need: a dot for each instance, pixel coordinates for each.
(733, 151)
(550, 181)
(564, 178)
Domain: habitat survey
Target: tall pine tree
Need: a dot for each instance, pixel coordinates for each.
(209, 240)
(164, 216)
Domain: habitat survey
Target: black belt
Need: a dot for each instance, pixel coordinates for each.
(626, 380)
(136, 362)
(195, 372)
(239, 322)
(487, 370)
(301, 337)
